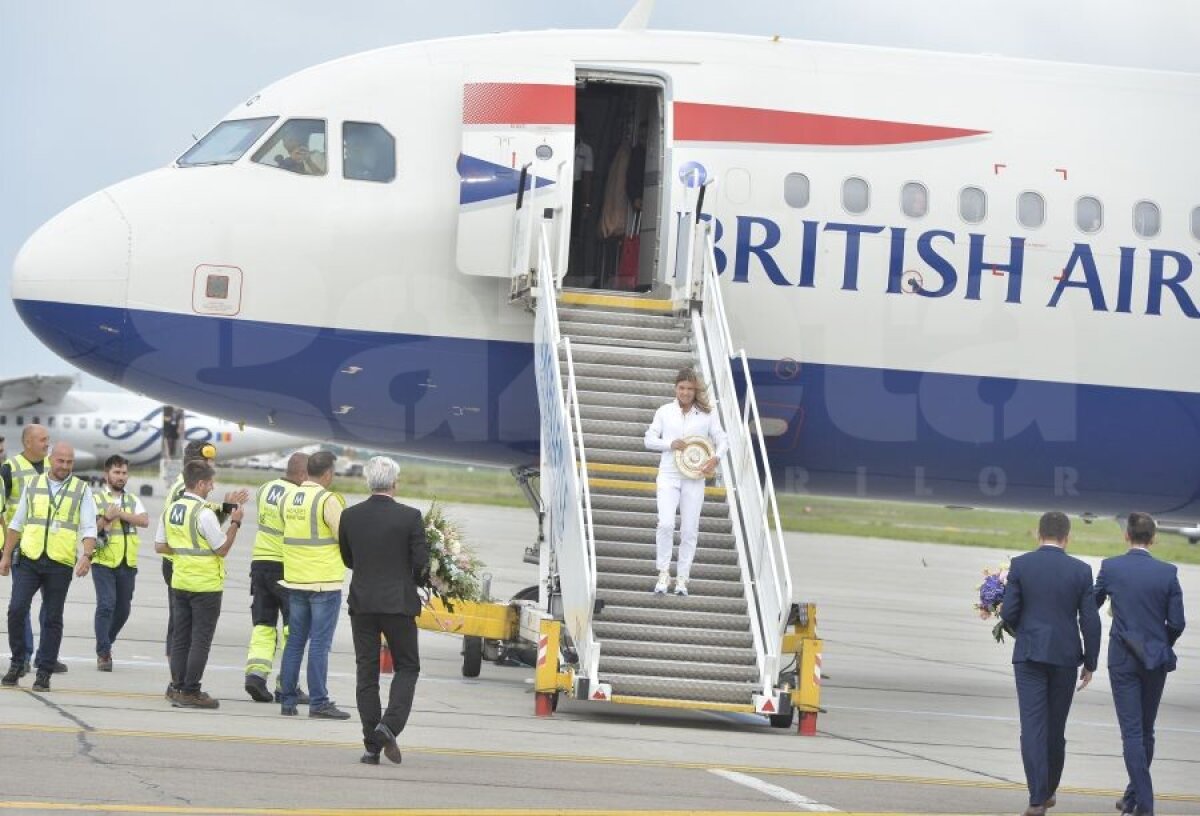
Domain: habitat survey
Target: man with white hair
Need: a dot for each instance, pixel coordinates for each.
(383, 541)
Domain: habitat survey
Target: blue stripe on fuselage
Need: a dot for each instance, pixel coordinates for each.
(481, 180)
(853, 431)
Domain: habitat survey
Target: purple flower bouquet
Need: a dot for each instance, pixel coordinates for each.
(991, 599)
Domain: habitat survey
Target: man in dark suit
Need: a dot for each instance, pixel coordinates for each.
(1048, 604)
(383, 541)
(1147, 609)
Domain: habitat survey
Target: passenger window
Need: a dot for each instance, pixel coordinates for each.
(1089, 214)
(66, 422)
(1031, 210)
(1147, 220)
(856, 195)
(796, 190)
(20, 419)
(298, 147)
(97, 423)
(1196, 223)
(49, 422)
(972, 205)
(226, 143)
(368, 152)
(914, 199)
(3, 419)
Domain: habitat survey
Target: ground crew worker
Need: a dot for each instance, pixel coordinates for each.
(16, 472)
(56, 511)
(114, 566)
(189, 531)
(268, 598)
(196, 451)
(312, 574)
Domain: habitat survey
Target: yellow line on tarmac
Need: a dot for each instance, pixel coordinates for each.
(536, 756)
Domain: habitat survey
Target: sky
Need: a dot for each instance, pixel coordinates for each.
(95, 91)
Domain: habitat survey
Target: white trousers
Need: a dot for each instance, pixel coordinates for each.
(686, 496)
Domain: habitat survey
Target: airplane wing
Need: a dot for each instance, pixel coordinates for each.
(26, 392)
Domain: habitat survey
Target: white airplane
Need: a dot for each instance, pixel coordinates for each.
(99, 424)
(959, 279)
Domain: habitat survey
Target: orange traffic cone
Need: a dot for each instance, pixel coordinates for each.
(385, 657)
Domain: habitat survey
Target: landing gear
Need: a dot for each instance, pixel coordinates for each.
(526, 475)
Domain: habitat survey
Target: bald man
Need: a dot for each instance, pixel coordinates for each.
(16, 472)
(55, 514)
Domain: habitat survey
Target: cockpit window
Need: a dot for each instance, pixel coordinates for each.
(226, 143)
(368, 152)
(298, 147)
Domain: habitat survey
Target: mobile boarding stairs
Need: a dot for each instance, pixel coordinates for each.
(604, 363)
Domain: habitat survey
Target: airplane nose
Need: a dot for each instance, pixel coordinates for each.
(69, 281)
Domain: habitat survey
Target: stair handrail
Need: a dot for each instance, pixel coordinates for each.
(754, 504)
(571, 515)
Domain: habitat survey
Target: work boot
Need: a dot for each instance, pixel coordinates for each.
(301, 697)
(104, 662)
(288, 711)
(10, 677)
(26, 668)
(195, 699)
(60, 667)
(42, 682)
(172, 692)
(329, 711)
(664, 581)
(256, 687)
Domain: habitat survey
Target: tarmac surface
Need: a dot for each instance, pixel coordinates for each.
(921, 715)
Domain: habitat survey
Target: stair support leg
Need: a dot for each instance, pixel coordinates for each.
(545, 677)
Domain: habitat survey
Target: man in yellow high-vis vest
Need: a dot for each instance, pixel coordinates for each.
(16, 472)
(55, 513)
(269, 600)
(114, 567)
(190, 532)
(312, 574)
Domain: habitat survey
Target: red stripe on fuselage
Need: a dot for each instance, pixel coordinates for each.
(696, 122)
(512, 103)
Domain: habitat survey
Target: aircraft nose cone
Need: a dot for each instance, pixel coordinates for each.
(69, 282)
(81, 255)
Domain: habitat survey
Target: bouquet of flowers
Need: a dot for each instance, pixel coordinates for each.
(991, 598)
(454, 570)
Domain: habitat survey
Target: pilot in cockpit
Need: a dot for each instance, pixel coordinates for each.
(298, 158)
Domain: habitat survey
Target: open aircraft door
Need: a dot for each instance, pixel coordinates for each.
(518, 148)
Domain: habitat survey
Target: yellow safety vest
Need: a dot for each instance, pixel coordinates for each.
(52, 522)
(310, 552)
(23, 472)
(268, 541)
(198, 568)
(122, 546)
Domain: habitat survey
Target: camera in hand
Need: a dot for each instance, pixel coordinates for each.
(228, 507)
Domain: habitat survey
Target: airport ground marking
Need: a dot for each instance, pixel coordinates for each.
(796, 800)
(537, 756)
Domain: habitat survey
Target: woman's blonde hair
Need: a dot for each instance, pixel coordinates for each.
(690, 375)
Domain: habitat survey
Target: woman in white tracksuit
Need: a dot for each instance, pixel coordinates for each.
(688, 415)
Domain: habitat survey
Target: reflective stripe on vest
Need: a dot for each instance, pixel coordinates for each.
(22, 471)
(310, 552)
(268, 541)
(122, 546)
(52, 527)
(197, 566)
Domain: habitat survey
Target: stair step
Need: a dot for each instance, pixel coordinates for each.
(646, 599)
(616, 301)
(643, 416)
(628, 373)
(602, 500)
(624, 427)
(646, 320)
(628, 335)
(621, 399)
(681, 669)
(663, 390)
(646, 535)
(637, 473)
(644, 568)
(670, 688)
(583, 352)
(645, 553)
(682, 345)
(644, 582)
(608, 632)
(680, 619)
(624, 518)
(677, 652)
(620, 487)
(642, 458)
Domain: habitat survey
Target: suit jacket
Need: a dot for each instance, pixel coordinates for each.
(1147, 605)
(383, 541)
(1049, 603)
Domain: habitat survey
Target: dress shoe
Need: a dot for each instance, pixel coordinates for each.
(10, 677)
(301, 697)
(384, 736)
(369, 758)
(60, 667)
(42, 682)
(256, 687)
(329, 711)
(288, 711)
(1035, 810)
(104, 662)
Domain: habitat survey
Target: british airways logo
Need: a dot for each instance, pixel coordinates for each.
(931, 264)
